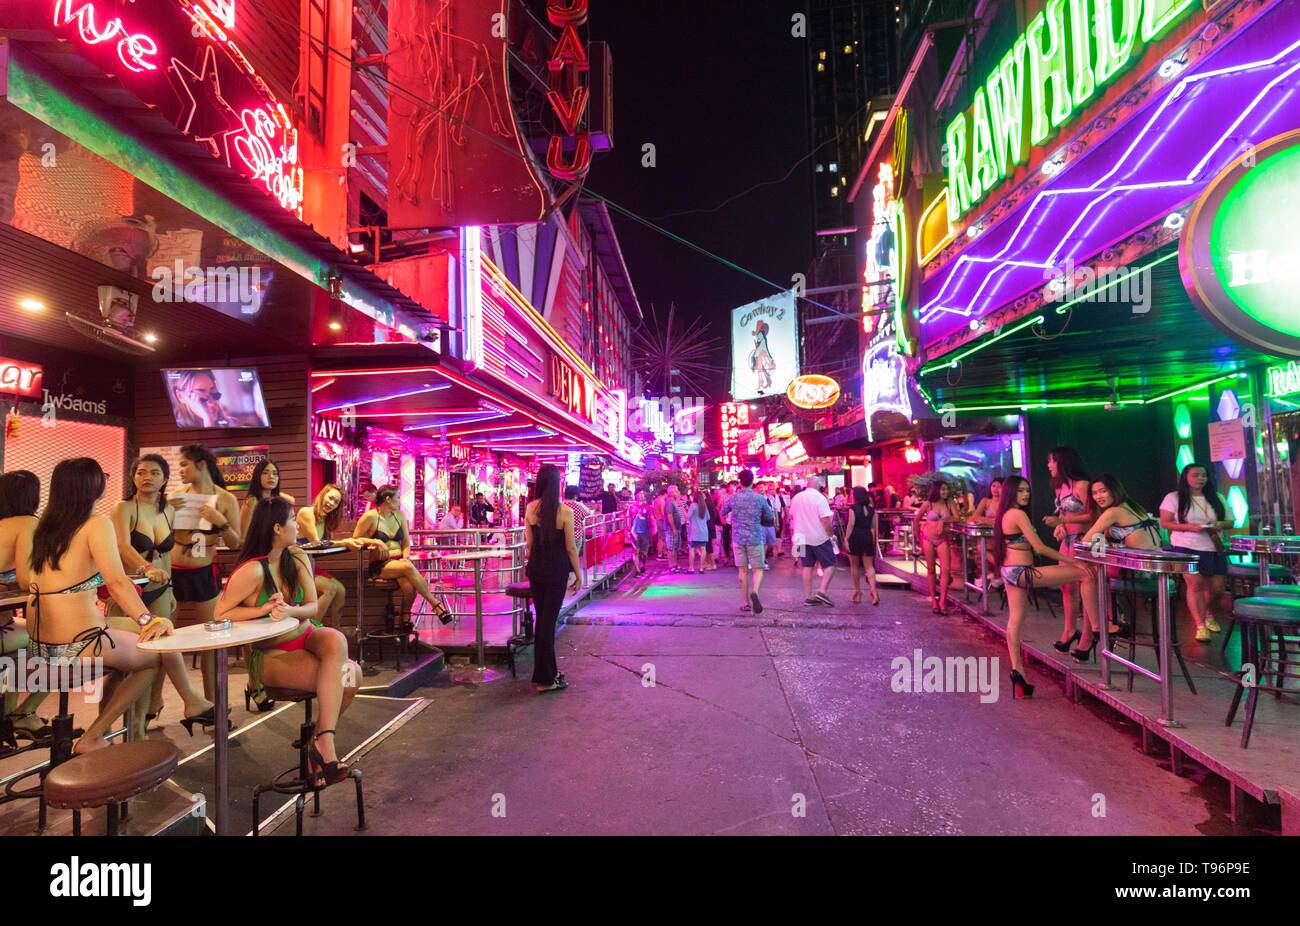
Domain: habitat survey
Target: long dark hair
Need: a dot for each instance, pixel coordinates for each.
(1069, 467)
(1211, 493)
(75, 486)
(20, 493)
(331, 520)
(1010, 489)
(268, 513)
(162, 465)
(548, 493)
(861, 497)
(936, 490)
(255, 481)
(197, 453)
(1117, 492)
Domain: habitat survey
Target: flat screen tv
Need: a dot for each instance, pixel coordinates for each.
(216, 397)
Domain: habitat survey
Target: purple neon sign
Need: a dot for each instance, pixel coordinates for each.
(1159, 161)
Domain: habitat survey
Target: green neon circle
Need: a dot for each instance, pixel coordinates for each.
(1254, 240)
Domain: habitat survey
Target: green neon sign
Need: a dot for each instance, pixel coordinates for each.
(1283, 380)
(1051, 71)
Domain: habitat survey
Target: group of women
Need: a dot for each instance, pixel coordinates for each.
(68, 557)
(1195, 515)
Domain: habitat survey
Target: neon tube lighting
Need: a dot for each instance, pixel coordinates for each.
(944, 364)
(1208, 382)
(320, 386)
(385, 398)
(452, 424)
(1061, 309)
(377, 371)
(502, 427)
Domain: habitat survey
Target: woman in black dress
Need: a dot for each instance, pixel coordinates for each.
(551, 557)
(862, 544)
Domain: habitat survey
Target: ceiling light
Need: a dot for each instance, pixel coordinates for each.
(151, 337)
(31, 305)
(336, 326)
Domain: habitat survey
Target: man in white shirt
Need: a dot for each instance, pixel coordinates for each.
(810, 531)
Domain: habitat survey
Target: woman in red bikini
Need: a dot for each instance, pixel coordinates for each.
(272, 580)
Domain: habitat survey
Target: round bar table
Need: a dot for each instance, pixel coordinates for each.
(477, 559)
(196, 639)
(1263, 546)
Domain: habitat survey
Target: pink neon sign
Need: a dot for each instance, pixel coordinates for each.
(133, 49)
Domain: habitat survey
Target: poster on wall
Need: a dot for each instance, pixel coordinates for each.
(237, 464)
(764, 347)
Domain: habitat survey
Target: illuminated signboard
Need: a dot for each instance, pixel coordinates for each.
(877, 274)
(569, 94)
(1284, 380)
(182, 60)
(1050, 71)
(571, 388)
(18, 378)
(734, 416)
(1238, 252)
(764, 347)
(756, 442)
(778, 430)
(812, 390)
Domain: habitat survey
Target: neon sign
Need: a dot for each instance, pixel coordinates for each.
(880, 256)
(1049, 73)
(20, 378)
(1283, 381)
(189, 67)
(568, 95)
(812, 390)
(570, 387)
(734, 414)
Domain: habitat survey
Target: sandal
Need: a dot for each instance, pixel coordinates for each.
(40, 731)
(331, 773)
(857, 598)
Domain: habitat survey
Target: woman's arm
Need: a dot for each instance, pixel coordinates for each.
(1108, 517)
(848, 528)
(365, 529)
(104, 552)
(23, 556)
(246, 513)
(1021, 520)
(406, 536)
(1169, 521)
(307, 525)
(244, 584)
(1080, 490)
(225, 517)
(307, 583)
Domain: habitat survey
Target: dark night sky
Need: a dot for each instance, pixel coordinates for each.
(719, 88)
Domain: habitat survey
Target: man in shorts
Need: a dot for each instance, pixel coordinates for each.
(810, 528)
(746, 509)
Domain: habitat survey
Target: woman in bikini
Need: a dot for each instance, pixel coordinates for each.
(264, 483)
(933, 519)
(1073, 513)
(71, 554)
(318, 524)
(385, 523)
(20, 496)
(196, 578)
(1123, 522)
(273, 580)
(1014, 543)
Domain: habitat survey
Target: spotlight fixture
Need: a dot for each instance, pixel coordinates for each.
(151, 337)
(31, 305)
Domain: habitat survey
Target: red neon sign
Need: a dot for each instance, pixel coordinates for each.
(734, 414)
(133, 49)
(20, 378)
(568, 96)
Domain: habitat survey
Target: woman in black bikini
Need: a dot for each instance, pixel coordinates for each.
(145, 540)
(196, 579)
(1014, 543)
(72, 553)
(385, 523)
(264, 483)
(20, 496)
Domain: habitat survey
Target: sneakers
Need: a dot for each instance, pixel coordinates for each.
(1203, 634)
(824, 599)
(1212, 625)
(812, 600)
(758, 605)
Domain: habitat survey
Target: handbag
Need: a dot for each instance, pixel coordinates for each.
(767, 519)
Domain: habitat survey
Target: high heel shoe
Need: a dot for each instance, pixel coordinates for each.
(1063, 646)
(875, 601)
(1019, 687)
(251, 700)
(444, 615)
(1083, 655)
(331, 772)
(207, 719)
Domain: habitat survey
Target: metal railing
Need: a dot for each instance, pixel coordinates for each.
(967, 531)
(1161, 563)
(454, 580)
(597, 529)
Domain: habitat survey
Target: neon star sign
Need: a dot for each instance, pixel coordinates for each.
(1047, 75)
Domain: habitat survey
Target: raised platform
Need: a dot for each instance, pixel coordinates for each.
(1266, 771)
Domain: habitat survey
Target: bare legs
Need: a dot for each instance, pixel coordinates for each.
(25, 714)
(412, 584)
(139, 667)
(1069, 603)
(1018, 604)
(330, 596)
(1201, 594)
(937, 554)
(318, 668)
(860, 565)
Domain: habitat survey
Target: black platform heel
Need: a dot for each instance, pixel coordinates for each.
(262, 704)
(1064, 646)
(1020, 688)
(443, 613)
(331, 772)
(1083, 655)
(207, 719)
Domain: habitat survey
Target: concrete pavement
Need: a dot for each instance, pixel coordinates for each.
(685, 715)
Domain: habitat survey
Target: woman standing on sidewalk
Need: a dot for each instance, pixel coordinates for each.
(551, 557)
(933, 519)
(697, 532)
(861, 542)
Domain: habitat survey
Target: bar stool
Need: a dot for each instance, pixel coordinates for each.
(1244, 577)
(109, 778)
(523, 593)
(1261, 591)
(1145, 588)
(1270, 628)
(403, 634)
(298, 782)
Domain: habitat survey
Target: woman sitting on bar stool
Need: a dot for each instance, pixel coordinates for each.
(317, 524)
(145, 539)
(551, 556)
(71, 554)
(263, 483)
(272, 580)
(385, 523)
(20, 496)
(196, 578)
(1014, 544)
(1123, 522)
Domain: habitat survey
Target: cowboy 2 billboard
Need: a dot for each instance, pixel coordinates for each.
(764, 347)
